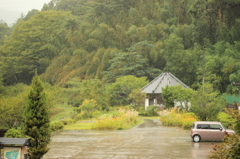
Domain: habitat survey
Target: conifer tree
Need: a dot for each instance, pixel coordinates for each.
(37, 120)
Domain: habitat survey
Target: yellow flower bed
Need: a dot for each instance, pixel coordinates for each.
(172, 117)
(126, 119)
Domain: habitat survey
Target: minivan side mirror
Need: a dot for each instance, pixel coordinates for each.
(221, 129)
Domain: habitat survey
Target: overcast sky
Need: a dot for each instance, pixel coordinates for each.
(11, 10)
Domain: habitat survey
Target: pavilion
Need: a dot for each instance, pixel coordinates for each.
(154, 88)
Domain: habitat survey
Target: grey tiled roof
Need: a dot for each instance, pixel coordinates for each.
(164, 79)
(14, 141)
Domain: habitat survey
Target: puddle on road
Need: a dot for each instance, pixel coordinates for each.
(150, 123)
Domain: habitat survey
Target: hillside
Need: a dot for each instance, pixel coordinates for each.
(107, 39)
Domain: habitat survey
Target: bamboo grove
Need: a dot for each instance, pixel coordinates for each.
(107, 39)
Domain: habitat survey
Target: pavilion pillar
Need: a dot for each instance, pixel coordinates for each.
(146, 103)
(154, 101)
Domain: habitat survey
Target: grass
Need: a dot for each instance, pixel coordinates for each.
(59, 112)
(79, 125)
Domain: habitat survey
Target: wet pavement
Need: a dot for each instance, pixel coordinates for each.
(148, 140)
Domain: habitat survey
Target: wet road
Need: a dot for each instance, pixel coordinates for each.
(149, 140)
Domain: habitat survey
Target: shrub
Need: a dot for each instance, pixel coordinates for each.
(87, 108)
(96, 114)
(13, 133)
(107, 122)
(152, 110)
(229, 149)
(236, 115)
(187, 120)
(67, 121)
(142, 111)
(77, 117)
(56, 126)
(226, 119)
(129, 115)
(124, 119)
(173, 118)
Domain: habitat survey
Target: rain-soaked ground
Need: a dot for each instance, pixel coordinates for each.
(148, 140)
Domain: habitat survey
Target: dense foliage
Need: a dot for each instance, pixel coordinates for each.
(206, 103)
(171, 94)
(194, 40)
(12, 105)
(95, 54)
(230, 148)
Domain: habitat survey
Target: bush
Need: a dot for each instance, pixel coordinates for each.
(97, 114)
(236, 116)
(173, 118)
(56, 126)
(87, 108)
(229, 149)
(13, 133)
(187, 120)
(67, 121)
(152, 110)
(226, 119)
(142, 111)
(124, 119)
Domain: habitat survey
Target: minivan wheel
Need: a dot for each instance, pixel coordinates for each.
(196, 138)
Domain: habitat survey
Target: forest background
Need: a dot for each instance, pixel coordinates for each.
(102, 50)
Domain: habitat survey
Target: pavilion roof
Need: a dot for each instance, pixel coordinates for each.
(164, 79)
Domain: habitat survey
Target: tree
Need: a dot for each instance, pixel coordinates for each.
(4, 31)
(130, 63)
(30, 14)
(12, 102)
(2, 88)
(123, 87)
(180, 62)
(206, 103)
(176, 93)
(87, 108)
(94, 89)
(11, 115)
(137, 97)
(37, 123)
(33, 45)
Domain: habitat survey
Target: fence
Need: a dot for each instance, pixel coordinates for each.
(232, 99)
